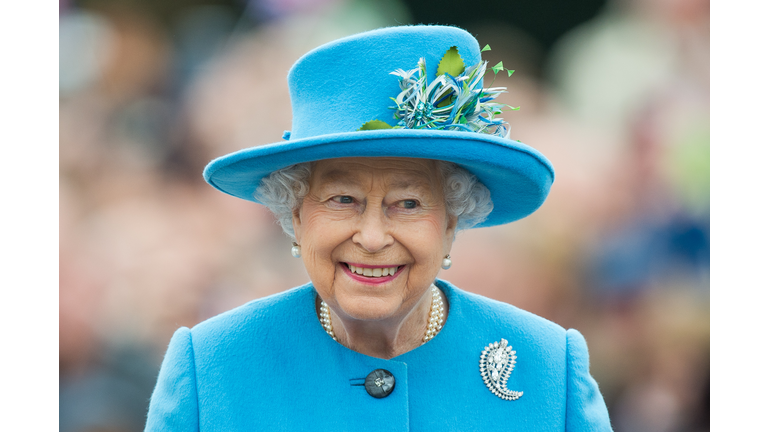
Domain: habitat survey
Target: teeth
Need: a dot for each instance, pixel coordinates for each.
(375, 272)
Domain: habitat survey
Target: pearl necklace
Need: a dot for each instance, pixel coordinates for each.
(436, 317)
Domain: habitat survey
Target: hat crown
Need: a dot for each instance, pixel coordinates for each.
(341, 85)
(338, 87)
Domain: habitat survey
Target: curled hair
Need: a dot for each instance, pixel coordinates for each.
(282, 192)
(465, 197)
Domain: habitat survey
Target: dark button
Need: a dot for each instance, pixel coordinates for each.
(379, 383)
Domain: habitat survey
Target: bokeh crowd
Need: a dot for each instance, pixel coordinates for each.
(149, 92)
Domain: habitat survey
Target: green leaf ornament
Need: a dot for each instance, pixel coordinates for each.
(452, 64)
(374, 125)
(499, 66)
(486, 48)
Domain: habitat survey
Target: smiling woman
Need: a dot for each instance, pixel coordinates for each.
(376, 341)
(375, 213)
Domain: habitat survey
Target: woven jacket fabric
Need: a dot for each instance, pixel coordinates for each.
(269, 366)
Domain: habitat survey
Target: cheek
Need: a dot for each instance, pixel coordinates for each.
(321, 235)
(426, 240)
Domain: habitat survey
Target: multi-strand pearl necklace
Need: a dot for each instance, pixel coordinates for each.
(436, 317)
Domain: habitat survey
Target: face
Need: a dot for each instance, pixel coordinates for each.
(384, 217)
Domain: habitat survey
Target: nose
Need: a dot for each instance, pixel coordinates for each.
(373, 233)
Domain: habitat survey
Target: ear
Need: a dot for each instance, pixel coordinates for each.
(296, 221)
(450, 233)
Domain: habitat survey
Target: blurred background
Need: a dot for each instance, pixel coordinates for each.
(614, 92)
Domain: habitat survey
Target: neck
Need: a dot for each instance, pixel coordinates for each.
(387, 338)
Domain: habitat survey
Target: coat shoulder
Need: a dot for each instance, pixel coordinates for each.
(270, 317)
(492, 318)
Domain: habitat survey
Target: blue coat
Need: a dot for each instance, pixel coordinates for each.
(269, 366)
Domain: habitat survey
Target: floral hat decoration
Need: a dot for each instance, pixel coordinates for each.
(454, 100)
(360, 96)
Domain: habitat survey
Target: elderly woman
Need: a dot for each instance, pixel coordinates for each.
(395, 147)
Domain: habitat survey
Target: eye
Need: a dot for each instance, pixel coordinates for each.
(409, 204)
(344, 199)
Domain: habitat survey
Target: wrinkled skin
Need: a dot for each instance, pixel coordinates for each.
(375, 211)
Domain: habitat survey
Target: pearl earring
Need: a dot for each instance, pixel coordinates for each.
(447, 263)
(296, 250)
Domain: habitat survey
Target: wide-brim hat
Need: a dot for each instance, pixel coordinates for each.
(337, 88)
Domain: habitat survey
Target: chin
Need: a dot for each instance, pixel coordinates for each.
(367, 309)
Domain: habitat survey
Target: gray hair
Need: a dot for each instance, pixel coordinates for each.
(465, 197)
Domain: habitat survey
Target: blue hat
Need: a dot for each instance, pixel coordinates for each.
(339, 87)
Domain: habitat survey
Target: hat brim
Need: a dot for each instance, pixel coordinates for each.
(518, 177)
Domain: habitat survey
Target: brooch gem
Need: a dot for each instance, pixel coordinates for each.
(496, 364)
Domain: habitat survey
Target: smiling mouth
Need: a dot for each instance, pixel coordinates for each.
(373, 272)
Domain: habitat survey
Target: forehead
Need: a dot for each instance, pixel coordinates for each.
(394, 172)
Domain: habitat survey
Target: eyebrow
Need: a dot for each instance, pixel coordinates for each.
(410, 182)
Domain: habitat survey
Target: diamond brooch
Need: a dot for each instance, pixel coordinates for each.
(496, 364)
